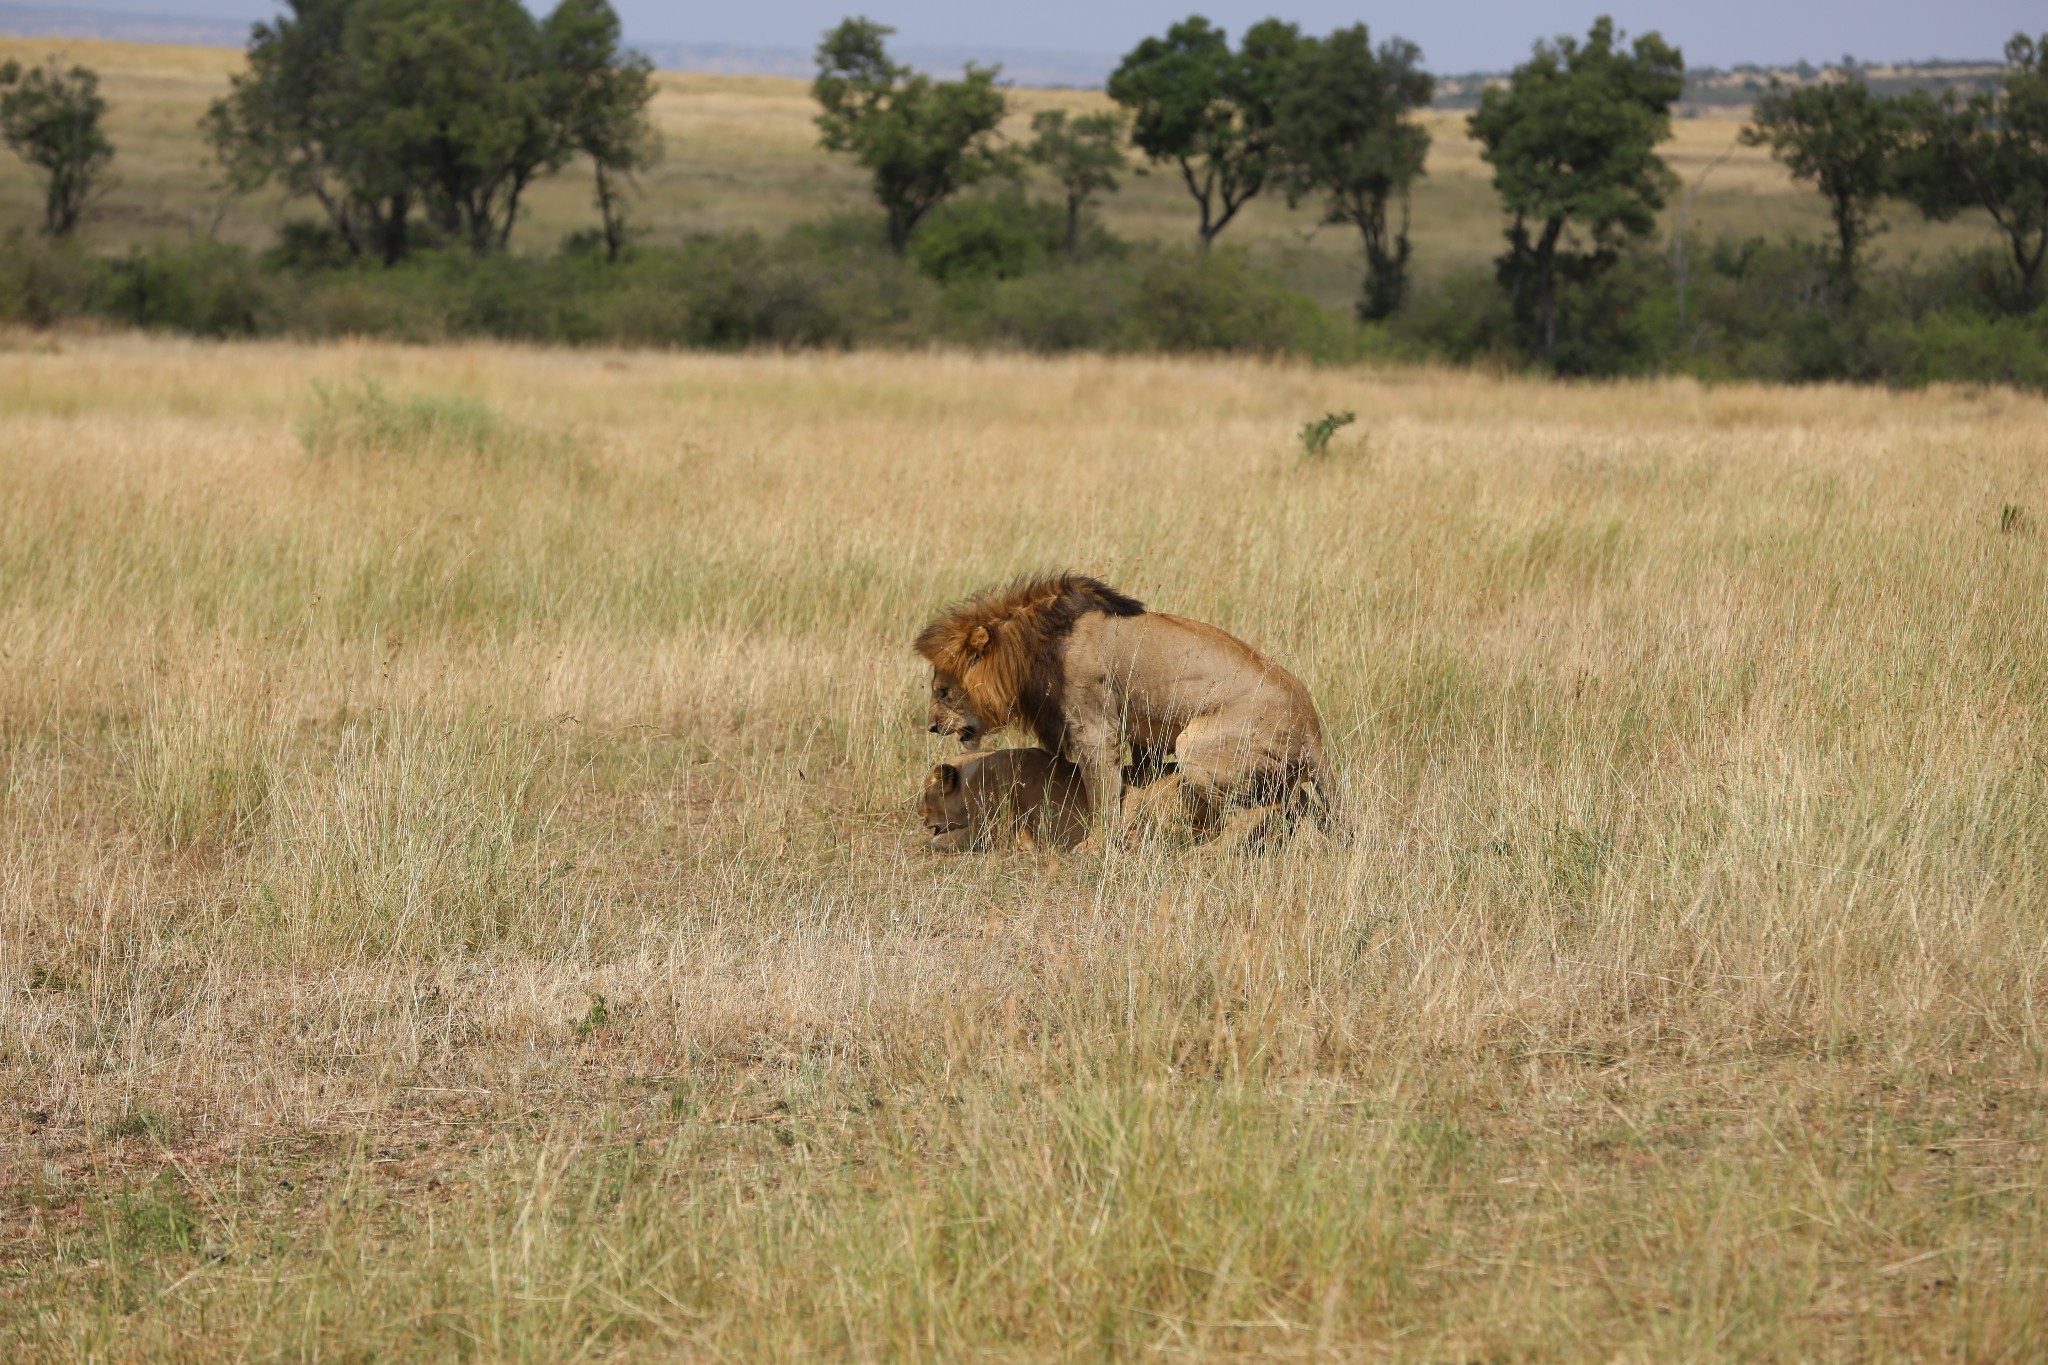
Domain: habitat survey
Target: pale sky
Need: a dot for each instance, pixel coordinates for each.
(1455, 35)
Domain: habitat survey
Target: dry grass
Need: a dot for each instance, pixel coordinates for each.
(742, 153)
(458, 892)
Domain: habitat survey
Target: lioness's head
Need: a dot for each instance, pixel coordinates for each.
(953, 714)
(942, 810)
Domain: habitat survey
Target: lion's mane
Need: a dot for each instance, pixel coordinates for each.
(1005, 647)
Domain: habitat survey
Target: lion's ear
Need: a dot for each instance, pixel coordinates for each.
(978, 642)
(949, 776)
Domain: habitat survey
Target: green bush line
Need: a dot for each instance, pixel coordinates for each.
(989, 274)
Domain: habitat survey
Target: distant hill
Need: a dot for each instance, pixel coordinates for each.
(1712, 87)
(1079, 70)
(1021, 67)
(1705, 87)
(36, 21)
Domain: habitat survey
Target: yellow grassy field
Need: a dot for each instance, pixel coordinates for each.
(458, 890)
(742, 153)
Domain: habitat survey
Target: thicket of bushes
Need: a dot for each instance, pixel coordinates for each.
(990, 273)
(983, 276)
(1756, 309)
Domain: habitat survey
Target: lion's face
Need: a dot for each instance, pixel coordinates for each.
(952, 714)
(942, 810)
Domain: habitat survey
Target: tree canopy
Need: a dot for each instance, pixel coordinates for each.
(1989, 152)
(51, 119)
(1083, 155)
(921, 139)
(1840, 138)
(1572, 140)
(1209, 110)
(601, 93)
(378, 108)
(1343, 131)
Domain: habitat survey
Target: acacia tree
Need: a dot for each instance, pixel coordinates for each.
(456, 91)
(1083, 155)
(1572, 140)
(599, 94)
(379, 108)
(51, 119)
(1842, 139)
(922, 140)
(1989, 152)
(295, 117)
(1343, 130)
(1208, 110)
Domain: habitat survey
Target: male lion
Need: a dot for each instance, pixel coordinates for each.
(1023, 797)
(1090, 671)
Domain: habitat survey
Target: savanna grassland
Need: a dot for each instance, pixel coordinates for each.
(741, 153)
(459, 894)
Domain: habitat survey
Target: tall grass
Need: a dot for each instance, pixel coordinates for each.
(458, 890)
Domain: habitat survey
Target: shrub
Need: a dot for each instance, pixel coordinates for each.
(365, 419)
(42, 281)
(1463, 317)
(1190, 301)
(998, 237)
(306, 245)
(1065, 309)
(1966, 346)
(206, 288)
(987, 276)
(1317, 435)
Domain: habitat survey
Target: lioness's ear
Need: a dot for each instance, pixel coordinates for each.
(978, 642)
(949, 777)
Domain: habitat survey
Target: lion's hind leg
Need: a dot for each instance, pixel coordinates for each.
(1250, 829)
(1157, 810)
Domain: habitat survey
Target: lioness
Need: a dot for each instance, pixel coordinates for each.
(981, 801)
(1091, 671)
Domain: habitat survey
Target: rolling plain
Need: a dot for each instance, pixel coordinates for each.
(459, 894)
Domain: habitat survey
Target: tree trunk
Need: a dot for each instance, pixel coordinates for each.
(1845, 251)
(483, 223)
(1073, 226)
(393, 239)
(1549, 313)
(337, 212)
(2030, 268)
(1386, 267)
(1546, 273)
(511, 213)
(608, 214)
(1202, 192)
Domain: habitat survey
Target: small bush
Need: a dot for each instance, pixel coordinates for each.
(1463, 317)
(1964, 346)
(997, 237)
(365, 419)
(43, 282)
(1066, 309)
(306, 245)
(1190, 301)
(207, 289)
(1317, 435)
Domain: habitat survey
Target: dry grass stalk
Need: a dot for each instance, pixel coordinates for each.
(451, 902)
